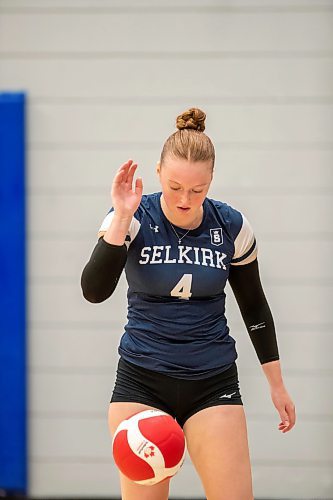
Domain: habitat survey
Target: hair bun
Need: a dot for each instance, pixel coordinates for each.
(193, 118)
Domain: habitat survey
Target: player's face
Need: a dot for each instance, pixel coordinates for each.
(184, 187)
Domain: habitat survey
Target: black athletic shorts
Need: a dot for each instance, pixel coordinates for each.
(180, 398)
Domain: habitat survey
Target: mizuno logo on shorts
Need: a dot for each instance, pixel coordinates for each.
(227, 395)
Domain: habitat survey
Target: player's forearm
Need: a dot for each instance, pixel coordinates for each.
(257, 316)
(273, 374)
(118, 229)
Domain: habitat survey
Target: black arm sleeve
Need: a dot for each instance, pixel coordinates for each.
(257, 316)
(101, 274)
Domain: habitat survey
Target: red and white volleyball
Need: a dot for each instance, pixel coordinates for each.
(149, 447)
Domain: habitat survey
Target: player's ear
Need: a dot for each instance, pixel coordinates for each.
(158, 168)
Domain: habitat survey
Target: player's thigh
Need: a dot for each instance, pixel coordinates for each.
(119, 411)
(218, 446)
(130, 490)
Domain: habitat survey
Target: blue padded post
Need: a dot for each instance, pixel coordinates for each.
(13, 427)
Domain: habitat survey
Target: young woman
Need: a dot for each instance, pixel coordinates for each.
(179, 248)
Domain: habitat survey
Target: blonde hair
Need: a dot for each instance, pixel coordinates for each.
(189, 142)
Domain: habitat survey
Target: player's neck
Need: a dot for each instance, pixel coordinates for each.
(181, 221)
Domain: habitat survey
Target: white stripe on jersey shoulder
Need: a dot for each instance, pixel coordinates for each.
(132, 231)
(245, 245)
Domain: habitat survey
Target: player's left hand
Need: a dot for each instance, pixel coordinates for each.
(286, 408)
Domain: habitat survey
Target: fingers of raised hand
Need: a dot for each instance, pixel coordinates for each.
(138, 186)
(122, 172)
(125, 166)
(125, 173)
(130, 174)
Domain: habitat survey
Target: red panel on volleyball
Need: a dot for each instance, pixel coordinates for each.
(130, 464)
(167, 435)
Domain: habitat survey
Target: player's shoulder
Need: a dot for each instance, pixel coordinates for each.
(150, 200)
(241, 231)
(232, 218)
(225, 209)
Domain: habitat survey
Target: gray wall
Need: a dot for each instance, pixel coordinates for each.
(105, 83)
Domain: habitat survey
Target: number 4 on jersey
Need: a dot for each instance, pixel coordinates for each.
(183, 287)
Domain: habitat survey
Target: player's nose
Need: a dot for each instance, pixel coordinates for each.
(185, 199)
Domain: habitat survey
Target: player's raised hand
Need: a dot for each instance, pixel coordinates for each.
(126, 197)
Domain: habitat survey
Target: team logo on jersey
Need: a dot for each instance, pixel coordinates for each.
(216, 236)
(154, 228)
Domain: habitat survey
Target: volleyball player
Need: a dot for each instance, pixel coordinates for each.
(179, 248)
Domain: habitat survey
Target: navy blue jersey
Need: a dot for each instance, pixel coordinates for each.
(176, 300)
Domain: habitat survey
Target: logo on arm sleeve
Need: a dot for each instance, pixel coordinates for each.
(258, 326)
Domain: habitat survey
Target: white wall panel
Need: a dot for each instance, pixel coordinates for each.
(159, 5)
(70, 350)
(67, 214)
(243, 79)
(303, 482)
(275, 446)
(274, 214)
(67, 257)
(85, 171)
(63, 302)
(306, 261)
(99, 478)
(79, 479)
(56, 438)
(73, 395)
(95, 32)
(105, 123)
